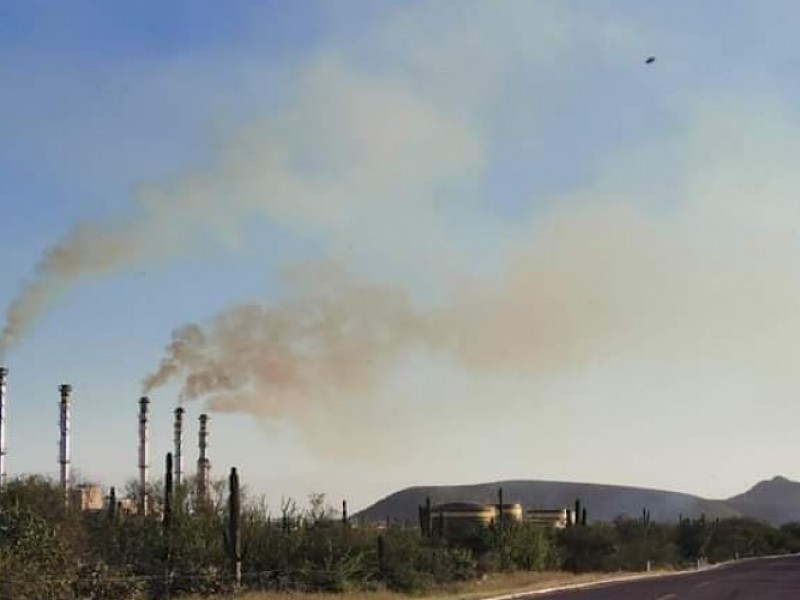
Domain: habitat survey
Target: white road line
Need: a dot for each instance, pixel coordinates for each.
(667, 597)
(704, 584)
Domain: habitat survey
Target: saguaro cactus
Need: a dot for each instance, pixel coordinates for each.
(577, 511)
(166, 521)
(381, 554)
(233, 534)
(500, 512)
(112, 504)
(168, 492)
(425, 518)
(428, 517)
(344, 513)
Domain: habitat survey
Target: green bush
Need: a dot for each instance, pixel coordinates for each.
(588, 548)
(530, 547)
(49, 553)
(36, 562)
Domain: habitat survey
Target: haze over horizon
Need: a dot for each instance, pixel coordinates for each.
(406, 243)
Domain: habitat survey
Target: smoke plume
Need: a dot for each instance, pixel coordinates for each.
(334, 339)
(351, 150)
(88, 250)
(330, 335)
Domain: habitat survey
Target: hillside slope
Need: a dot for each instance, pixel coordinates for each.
(776, 501)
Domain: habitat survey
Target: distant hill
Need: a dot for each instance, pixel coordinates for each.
(776, 501)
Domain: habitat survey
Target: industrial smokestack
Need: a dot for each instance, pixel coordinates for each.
(3, 399)
(65, 447)
(178, 454)
(203, 464)
(144, 452)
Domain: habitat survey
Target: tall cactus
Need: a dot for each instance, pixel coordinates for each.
(500, 512)
(344, 514)
(501, 522)
(381, 554)
(577, 511)
(168, 492)
(428, 517)
(166, 521)
(112, 504)
(233, 534)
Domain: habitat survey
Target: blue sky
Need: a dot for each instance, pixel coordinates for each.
(607, 247)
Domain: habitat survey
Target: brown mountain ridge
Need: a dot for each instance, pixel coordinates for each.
(776, 500)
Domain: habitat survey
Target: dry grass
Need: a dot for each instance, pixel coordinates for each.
(495, 585)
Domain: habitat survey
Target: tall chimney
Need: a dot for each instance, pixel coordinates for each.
(178, 454)
(65, 447)
(203, 464)
(3, 399)
(144, 454)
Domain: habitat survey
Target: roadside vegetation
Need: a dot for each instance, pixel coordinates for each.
(188, 548)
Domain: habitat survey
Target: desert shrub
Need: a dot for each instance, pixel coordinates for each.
(739, 538)
(36, 562)
(691, 537)
(529, 547)
(101, 582)
(639, 543)
(588, 548)
(789, 540)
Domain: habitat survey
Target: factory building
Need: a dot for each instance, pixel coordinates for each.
(509, 513)
(557, 518)
(87, 497)
(458, 520)
(462, 520)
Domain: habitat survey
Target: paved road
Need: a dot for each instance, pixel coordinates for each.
(765, 579)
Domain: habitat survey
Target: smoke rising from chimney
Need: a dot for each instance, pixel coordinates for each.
(88, 250)
(331, 336)
(334, 338)
(310, 168)
(596, 284)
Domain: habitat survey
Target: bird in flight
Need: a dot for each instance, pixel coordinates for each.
(650, 60)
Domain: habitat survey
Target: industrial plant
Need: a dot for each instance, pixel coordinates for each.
(451, 520)
(89, 497)
(461, 520)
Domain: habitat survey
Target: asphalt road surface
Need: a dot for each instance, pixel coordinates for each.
(763, 579)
